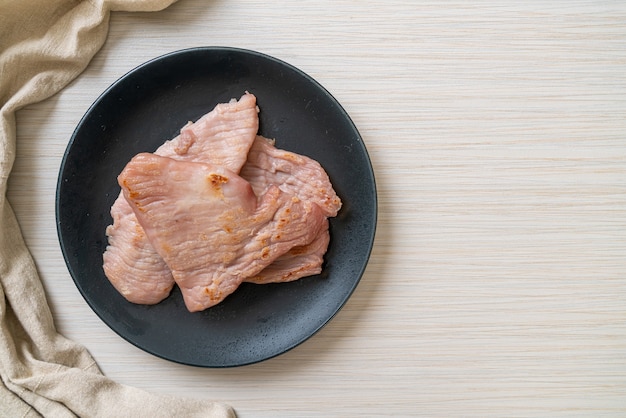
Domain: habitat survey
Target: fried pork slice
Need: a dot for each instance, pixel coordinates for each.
(222, 136)
(208, 225)
(305, 178)
(298, 262)
(293, 173)
(130, 262)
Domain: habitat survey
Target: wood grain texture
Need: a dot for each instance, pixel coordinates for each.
(497, 130)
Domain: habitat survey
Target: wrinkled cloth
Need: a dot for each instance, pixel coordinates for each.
(44, 44)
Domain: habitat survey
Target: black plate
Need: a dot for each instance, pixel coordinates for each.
(148, 106)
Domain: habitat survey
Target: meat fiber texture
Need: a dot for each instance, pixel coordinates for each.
(185, 216)
(222, 136)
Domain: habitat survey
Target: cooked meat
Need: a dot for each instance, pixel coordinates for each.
(223, 136)
(305, 178)
(130, 262)
(300, 261)
(293, 173)
(208, 225)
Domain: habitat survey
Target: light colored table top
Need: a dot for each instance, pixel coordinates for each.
(497, 130)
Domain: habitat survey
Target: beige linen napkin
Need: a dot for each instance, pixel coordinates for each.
(44, 44)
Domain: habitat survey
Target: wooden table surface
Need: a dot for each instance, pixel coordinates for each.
(497, 131)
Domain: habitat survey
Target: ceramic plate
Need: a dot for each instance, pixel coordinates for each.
(148, 106)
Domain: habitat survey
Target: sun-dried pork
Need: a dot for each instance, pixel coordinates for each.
(305, 178)
(208, 225)
(300, 261)
(293, 173)
(223, 136)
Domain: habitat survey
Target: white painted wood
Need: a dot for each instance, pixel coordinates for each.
(497, 286)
